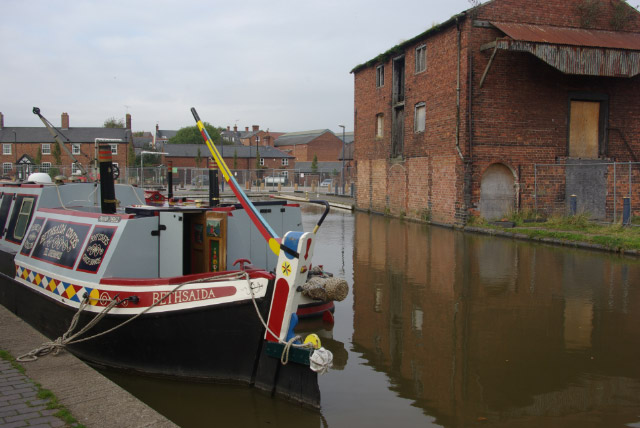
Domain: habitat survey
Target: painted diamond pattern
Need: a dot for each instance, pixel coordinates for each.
(60, 289)
(69, 291)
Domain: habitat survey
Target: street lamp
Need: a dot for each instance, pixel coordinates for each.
(142, 153)
(342, 178)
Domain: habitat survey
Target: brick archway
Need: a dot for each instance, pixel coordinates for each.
(497, 192)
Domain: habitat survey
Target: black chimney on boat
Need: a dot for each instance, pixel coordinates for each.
(214, 192)
(170, 179)
(107, 187)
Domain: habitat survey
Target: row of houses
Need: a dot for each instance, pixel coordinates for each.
(26, 148)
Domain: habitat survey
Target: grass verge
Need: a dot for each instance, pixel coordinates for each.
(574, 229)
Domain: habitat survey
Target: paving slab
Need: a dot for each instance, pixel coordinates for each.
(92, 399)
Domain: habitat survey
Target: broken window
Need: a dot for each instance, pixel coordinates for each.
(420, 117)
(398, 80)
(421, 58)
(380, 76)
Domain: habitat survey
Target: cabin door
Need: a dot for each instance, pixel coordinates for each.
(170, 243)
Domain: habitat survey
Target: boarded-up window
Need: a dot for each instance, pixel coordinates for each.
(584, 129)
(379, 125)
(420, 117)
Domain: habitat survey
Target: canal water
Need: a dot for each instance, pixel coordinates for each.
(443, 328)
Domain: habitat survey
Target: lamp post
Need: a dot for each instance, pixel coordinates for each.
(342, 174)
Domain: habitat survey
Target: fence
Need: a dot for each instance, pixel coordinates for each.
(189, 179)
(597, 188)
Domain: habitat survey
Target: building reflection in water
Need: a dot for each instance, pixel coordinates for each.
(474, 328)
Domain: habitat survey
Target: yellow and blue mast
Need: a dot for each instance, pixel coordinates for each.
(265, 229)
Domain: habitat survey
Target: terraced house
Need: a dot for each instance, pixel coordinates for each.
(26, 149)
(511, 105)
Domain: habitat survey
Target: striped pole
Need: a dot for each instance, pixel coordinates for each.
(263, 227)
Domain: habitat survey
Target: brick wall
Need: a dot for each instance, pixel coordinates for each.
(518, 118)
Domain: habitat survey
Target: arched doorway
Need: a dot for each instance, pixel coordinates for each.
(497, 192)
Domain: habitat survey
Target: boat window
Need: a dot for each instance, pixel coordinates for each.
(20, 218)
(23, 218)
(4, 210)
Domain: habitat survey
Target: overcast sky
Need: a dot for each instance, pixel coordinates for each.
(284, 65)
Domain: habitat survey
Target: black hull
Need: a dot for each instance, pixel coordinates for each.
(216, 344)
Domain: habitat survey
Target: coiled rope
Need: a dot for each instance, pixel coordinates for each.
(69, 338)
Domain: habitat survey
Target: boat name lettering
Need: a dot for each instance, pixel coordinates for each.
(33, 235)
(184, 296)
(109, 219)
(59, 239)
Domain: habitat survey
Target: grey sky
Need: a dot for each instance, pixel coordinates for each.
(283, 65)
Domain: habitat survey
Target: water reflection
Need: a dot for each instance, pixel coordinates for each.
(478, 329)
(443, 328)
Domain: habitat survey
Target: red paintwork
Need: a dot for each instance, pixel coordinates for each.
(83, 214)
(278, 306)
(137, 282)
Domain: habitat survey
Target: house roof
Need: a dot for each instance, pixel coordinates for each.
(295, 138)
(75, 135)
(165, 134)
(326, 167)
(227, 151)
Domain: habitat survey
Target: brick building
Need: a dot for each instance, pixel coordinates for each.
(185, 155)
(21, 145)
(455, 121)
(306, 144)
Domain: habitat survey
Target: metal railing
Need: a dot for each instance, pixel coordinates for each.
(598, 189)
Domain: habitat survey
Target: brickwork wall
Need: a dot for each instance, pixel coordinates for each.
(519, 117)
(327, 147)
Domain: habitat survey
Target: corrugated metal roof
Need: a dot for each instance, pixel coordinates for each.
(570, 36)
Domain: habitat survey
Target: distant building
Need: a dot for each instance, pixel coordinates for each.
(20, 147)
(305, 145)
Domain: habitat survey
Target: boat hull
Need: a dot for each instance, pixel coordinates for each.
(209, 344)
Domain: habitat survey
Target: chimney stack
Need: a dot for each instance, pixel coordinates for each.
(228, 128)
(267, 140)
(128, 121)
(246, 129)
(65, 121)
(256, 128)
(235, 128)
(1, 120)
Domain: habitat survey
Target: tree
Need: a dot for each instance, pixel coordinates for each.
(235, 159)
(131, 155)
(112, 122)
(314, 164)
(198, 158)
(38, 159)
(258, 166)
(191, 135)
(57, 154)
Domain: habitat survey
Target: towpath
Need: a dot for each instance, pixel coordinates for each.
(91, 398)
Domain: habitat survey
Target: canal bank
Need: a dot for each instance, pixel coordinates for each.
(91, 398)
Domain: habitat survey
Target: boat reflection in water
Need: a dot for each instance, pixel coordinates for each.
(444, 328)
(477, 329)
